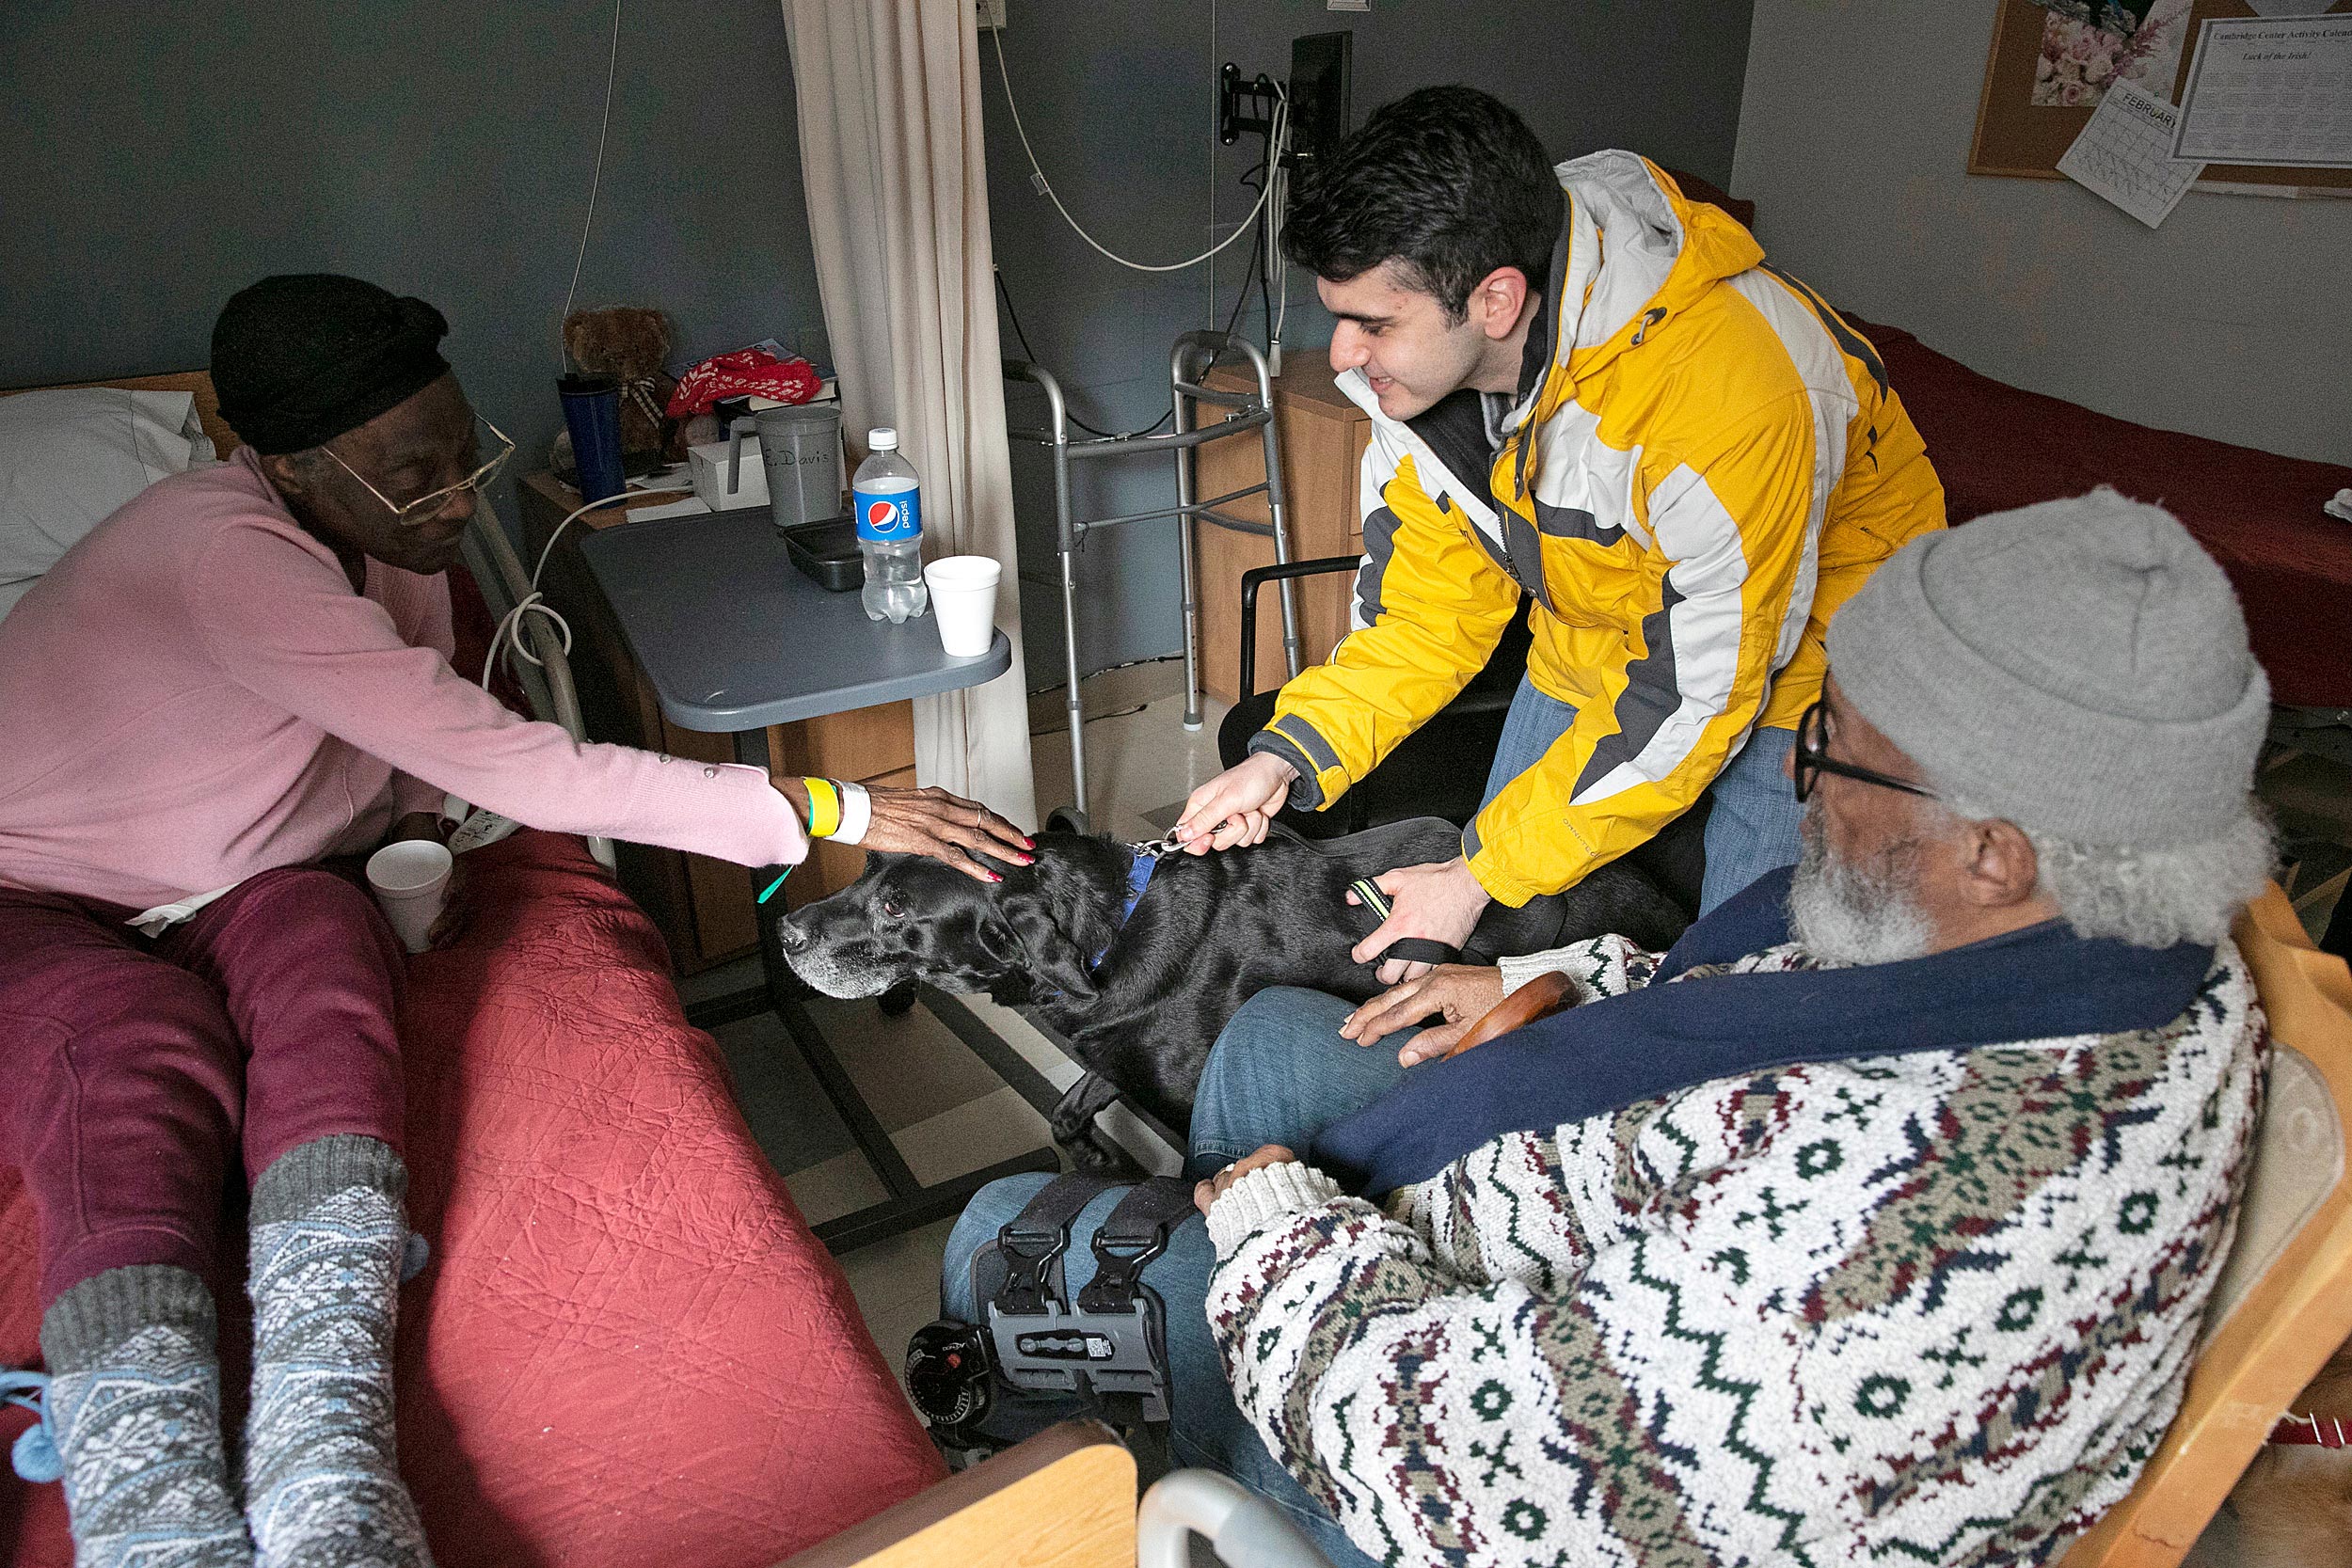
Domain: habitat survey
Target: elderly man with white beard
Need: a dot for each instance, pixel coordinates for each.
(1875, 1220)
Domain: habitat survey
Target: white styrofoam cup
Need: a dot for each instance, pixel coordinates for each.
(411, 880)
(964, 602)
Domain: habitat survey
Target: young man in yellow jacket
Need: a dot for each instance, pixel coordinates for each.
(1587, 388)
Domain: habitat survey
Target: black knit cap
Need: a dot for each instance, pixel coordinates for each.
(301, 358)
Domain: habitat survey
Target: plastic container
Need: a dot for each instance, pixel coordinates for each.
(592, 411)
(827, 554)
(887, 500)
(801, 445)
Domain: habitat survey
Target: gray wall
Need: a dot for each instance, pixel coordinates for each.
(162, 157)
(2231, 320)
(1119, 101)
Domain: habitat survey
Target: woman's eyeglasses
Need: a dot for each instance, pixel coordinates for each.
(409, 514)
(1812, 758)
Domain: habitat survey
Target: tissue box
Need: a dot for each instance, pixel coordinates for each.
(706, 468)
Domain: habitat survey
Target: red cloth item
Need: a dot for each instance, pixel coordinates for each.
(1997, 447)
(629, 1348)
(747, 371)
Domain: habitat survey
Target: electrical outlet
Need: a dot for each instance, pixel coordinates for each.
(991, 12)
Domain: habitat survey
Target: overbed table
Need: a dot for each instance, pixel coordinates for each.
(733, 638)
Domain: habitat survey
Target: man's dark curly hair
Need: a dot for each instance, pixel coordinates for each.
(1447, 182)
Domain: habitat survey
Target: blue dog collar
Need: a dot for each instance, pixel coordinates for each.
(1145, 860)
(1139, 877)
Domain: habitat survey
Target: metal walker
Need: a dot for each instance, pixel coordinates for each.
(1194, 354)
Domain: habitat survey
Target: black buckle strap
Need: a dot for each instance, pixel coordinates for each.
(1033, 1241)
(1136, 1233)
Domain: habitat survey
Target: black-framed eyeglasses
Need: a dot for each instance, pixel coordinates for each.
(409, 514)
(1812, 758)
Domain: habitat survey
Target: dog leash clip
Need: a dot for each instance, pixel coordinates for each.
(1155, 847)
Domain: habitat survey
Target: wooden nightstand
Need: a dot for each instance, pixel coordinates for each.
(1323, 436)
(703, 907)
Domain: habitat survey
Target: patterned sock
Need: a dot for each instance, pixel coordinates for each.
(135, 1400)
(323, 1487)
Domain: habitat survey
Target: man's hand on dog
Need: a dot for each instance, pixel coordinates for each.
(929, 821)
(1461, 994)
(1442, 902)
(1235, 807)
(1206, 1192)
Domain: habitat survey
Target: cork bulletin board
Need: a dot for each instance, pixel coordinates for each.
(2025, 122)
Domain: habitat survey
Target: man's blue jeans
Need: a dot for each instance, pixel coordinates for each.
(1751, 828)
(1279, 1072)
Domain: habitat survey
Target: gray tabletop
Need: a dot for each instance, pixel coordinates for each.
(733, 636)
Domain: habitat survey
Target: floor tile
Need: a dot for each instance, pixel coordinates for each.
(898, 1269)
(725, 980)
(1049, 1059)
(994, 1127)
(835, 1187)
(896, 1284)
(789, 1115)
(893, 1325)
(910, 1068)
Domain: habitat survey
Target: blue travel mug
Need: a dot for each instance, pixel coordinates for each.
(592, 411)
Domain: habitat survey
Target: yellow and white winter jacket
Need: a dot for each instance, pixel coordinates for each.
(1702, 462)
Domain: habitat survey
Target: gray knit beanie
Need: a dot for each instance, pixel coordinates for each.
(2079, 667)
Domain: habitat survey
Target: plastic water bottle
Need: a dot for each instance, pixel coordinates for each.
(888, 499)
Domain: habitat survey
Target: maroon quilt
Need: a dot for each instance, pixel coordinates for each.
(1998, 445)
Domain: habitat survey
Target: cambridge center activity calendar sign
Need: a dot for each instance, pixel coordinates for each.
(2271, 90)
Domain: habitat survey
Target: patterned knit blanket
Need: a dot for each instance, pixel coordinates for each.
(1930, 1308)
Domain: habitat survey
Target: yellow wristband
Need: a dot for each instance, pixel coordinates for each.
(824, 808)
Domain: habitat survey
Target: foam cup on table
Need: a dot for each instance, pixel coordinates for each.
(411, 880)
(964, 602)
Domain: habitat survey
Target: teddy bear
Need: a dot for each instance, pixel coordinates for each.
(629, 344)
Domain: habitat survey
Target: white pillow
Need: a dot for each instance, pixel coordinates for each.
(68, 459)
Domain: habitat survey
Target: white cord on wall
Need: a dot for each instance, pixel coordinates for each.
(510, 626)
(1277, 136)
(612, 69)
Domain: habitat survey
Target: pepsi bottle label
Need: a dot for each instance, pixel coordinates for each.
(888, 516)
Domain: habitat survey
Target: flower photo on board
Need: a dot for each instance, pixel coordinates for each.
(2080, 56)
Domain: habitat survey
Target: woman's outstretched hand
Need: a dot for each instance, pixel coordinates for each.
(929, 821)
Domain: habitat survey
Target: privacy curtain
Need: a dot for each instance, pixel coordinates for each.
(898, 213)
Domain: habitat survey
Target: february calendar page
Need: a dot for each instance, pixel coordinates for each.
(2126, 155)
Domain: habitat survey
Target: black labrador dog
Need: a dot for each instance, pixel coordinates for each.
(1142, 994)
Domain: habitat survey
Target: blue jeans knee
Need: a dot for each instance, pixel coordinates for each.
(1752, 826)
(1280, 1074)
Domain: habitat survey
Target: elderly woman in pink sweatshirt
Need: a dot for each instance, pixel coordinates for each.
(240, 674)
